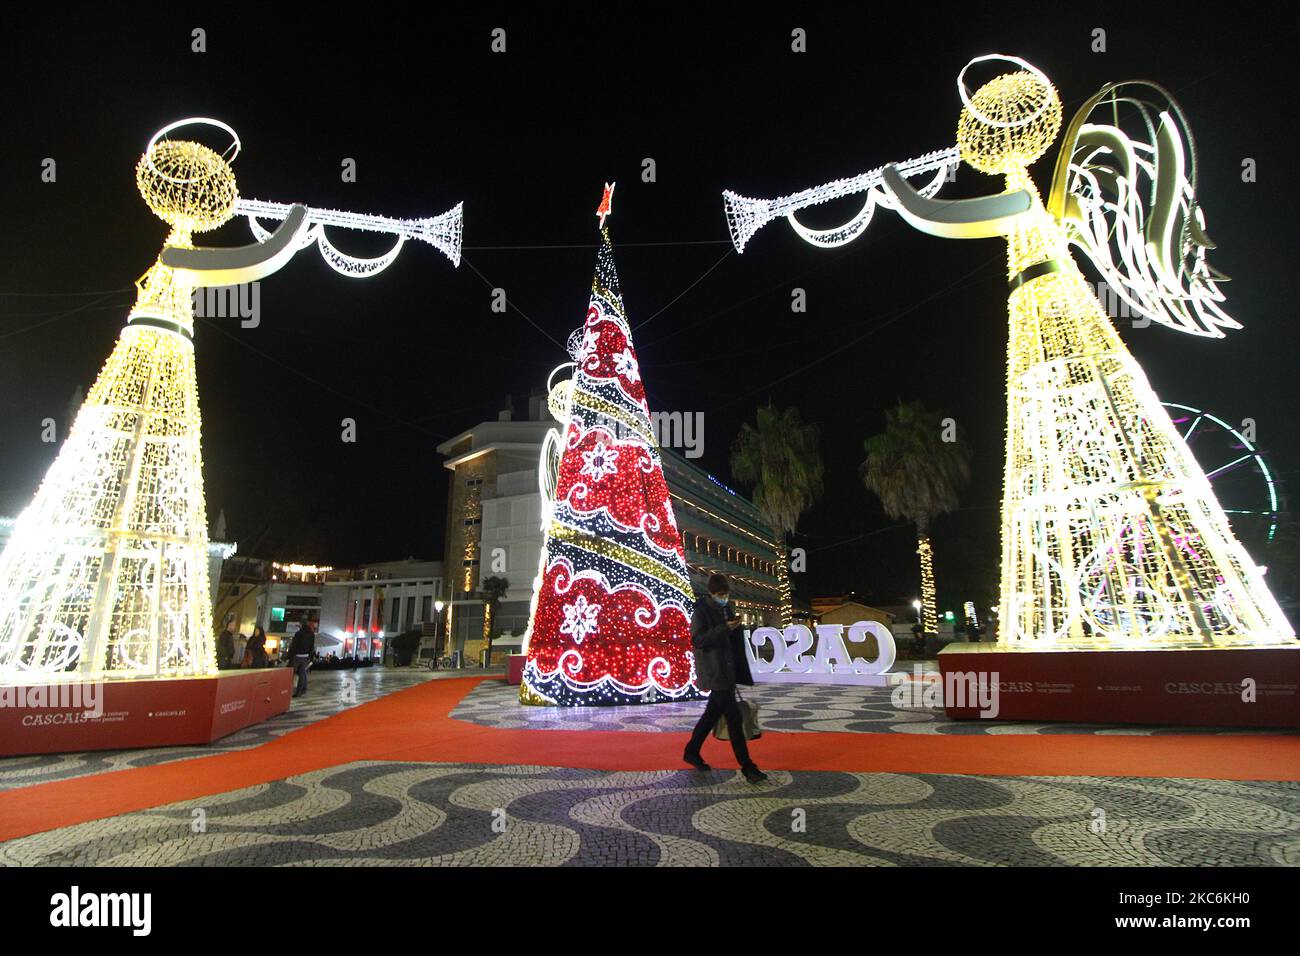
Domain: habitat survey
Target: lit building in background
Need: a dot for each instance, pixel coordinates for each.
(494, 528)
(358, 609)
(846, 609)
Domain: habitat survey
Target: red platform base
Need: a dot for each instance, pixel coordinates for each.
(1200, 687)
(139, 713)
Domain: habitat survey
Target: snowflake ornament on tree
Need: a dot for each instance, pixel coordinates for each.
(625, 365)
(599, 462)
(579, 619)
(612, 603)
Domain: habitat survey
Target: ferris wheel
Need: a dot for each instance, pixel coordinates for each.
(1239, 472)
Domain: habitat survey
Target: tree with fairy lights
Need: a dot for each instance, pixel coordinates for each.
(610, 621)
(780, 456)
(915, 469)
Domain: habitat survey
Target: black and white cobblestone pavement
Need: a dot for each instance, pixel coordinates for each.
(382, 813)
(438, 814)
(789, 708)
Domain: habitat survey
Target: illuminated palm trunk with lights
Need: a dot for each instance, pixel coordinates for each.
(929, 606)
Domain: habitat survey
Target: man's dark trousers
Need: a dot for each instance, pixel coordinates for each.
(301, 665)
(722, 704)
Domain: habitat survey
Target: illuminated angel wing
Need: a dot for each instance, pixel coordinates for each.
(1125, 190)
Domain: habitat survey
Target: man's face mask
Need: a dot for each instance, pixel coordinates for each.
(721, 599)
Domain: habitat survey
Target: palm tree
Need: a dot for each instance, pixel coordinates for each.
(781, 458)
(493, 590)
(915, 471)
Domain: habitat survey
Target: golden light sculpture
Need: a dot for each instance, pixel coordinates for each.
(1111, 535)
(105, 575)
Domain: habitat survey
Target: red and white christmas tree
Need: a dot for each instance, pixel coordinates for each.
(612, 603)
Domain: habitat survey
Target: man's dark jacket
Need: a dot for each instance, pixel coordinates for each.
(304, 642)
(225, 648)
(720, 661)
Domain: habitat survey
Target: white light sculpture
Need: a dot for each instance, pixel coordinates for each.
(1111, 534)
(745, 216)
(106, 572)
(442, 232)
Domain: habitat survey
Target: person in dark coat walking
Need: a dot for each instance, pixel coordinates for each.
(301, 651)
(720, 664)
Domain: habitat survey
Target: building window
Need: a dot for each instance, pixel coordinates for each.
(426, 608)
(395, 616)
(365, 615)
(410, 614)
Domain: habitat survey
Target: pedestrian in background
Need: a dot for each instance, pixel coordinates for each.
(720, 664)
(301, 651)
(226, 648)
(256, 652)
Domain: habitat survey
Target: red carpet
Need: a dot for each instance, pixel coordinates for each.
(413, 724)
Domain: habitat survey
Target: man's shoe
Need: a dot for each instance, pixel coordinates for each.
(696, 761)
(753, 774)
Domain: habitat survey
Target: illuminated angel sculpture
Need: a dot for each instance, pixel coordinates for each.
(106, 573)
(1111, 534)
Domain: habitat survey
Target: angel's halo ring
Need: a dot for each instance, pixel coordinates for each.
(191, 121)
(1017, 61)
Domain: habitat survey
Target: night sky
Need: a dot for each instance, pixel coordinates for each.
(526, 140)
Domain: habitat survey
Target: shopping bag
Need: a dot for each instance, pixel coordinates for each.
(749, 717)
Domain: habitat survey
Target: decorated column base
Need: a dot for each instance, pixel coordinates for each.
(1190, 687)
(120, 715)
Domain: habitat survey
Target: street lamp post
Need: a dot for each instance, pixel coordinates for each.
(437, 627)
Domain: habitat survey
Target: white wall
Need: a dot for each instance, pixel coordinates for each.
(512, 521)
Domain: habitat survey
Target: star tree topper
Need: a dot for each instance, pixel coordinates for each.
(606, 204)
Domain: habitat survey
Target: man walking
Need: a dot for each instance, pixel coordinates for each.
(301, 651)
(720, 664)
